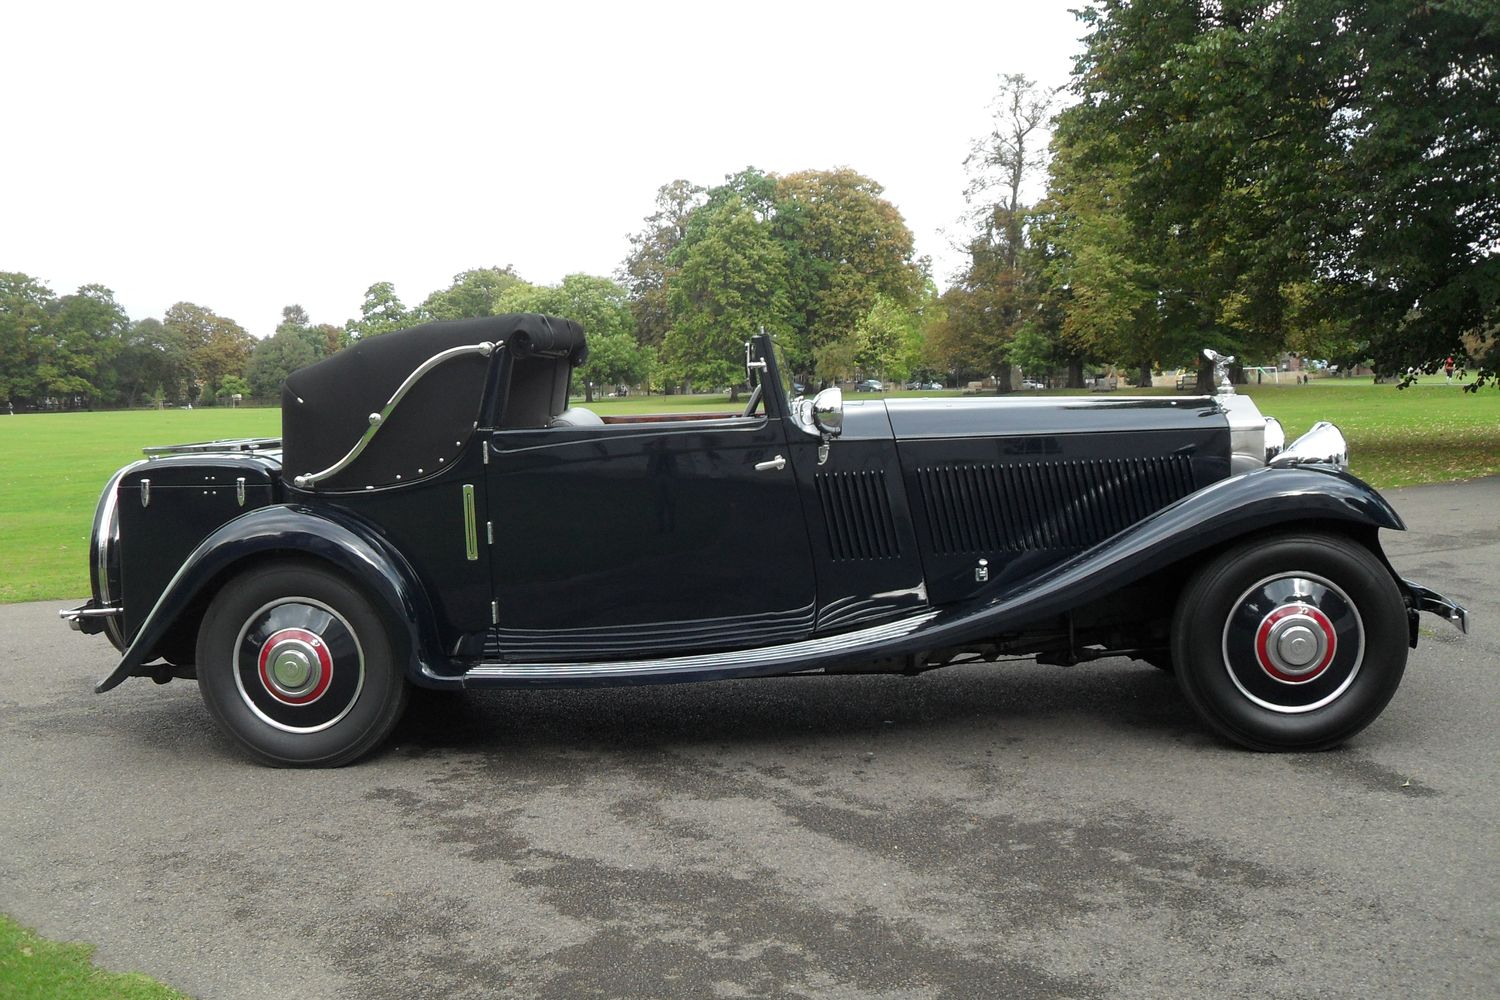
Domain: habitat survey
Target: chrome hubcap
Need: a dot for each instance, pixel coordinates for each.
(298, 665)
(1293, 643)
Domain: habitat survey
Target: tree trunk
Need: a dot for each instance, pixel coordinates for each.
(1205, 375)
(588, 392)
(1075, 374)
(1145, 380)
(1002, 381)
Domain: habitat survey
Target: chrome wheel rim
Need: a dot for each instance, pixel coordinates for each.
(298, 665)
(1293, 642)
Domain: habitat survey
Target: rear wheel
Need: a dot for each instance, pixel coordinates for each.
(1296, 643)
(295, 664)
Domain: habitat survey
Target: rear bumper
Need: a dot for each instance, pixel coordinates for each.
(1423, 599)
(88, 618)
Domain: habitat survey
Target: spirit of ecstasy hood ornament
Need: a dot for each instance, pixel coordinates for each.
(1221, 363)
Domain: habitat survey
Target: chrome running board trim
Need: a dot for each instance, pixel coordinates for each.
(752, 661)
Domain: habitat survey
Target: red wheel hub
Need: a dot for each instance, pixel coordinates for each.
(295, 666)
(1295, 643)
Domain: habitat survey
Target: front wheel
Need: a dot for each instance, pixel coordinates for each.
(296, 665)
(1294, 643)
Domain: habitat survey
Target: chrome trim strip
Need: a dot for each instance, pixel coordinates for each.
(789, 653)
(471, 531)
(108, 535)
(377, 420)
(68, 614)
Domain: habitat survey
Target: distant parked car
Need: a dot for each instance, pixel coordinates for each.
(1032, 383)
(870, 385)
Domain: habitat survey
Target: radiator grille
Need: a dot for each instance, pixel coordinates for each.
(1046, 505)
(857, 512)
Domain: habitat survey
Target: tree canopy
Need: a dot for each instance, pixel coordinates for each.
(1249, 174)
(1257, 176)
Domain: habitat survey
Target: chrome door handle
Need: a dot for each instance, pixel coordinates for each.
(778, 463)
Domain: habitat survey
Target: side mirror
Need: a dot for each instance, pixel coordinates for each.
(822, 416)
(828, 411)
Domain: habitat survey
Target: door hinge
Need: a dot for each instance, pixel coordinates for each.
(145, 492)
(489, 532)
(494, 612)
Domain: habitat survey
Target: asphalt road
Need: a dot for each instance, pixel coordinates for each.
(1015, 831)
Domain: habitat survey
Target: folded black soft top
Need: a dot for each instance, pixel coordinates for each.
(326, 407)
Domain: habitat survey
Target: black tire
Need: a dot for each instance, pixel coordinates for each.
(1293, 643)
(297, 666)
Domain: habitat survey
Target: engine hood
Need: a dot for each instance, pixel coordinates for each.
(917, 419)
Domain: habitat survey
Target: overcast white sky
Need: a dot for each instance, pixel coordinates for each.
(248, 156)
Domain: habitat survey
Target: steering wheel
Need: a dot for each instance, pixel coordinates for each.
(754, 400)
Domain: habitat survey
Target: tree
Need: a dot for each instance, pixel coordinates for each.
(845, 247)
(997, 292)
(882, 338)
(615, 359)
(1099, 296)
(231, 386)
(472, 293)
(153, 359)
(86, 334)
(599, 305)
(25, 305)
(381, 312)
(322, 340)
(274, 359)
(647, 270)
(731, 282)
(216, 345)
(1281, 164)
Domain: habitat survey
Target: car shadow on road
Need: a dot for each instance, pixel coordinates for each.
(1121, 697)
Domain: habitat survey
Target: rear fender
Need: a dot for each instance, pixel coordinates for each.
(294, 530)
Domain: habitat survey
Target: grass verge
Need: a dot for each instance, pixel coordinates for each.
(52, 466)
(33, 968)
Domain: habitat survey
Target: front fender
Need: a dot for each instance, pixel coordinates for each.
(292, 529)
(1231, 509)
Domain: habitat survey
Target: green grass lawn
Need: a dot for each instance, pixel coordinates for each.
(33, 968)
(52, 466)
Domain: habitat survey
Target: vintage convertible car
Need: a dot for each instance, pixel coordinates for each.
(437, 514)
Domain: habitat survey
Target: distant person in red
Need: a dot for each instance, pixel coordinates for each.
(1448, 369)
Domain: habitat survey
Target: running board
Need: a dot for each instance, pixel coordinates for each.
(788, 658)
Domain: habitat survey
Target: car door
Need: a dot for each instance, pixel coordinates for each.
(646, 537)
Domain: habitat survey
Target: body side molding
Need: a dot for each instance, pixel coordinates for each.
(1223, 512)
